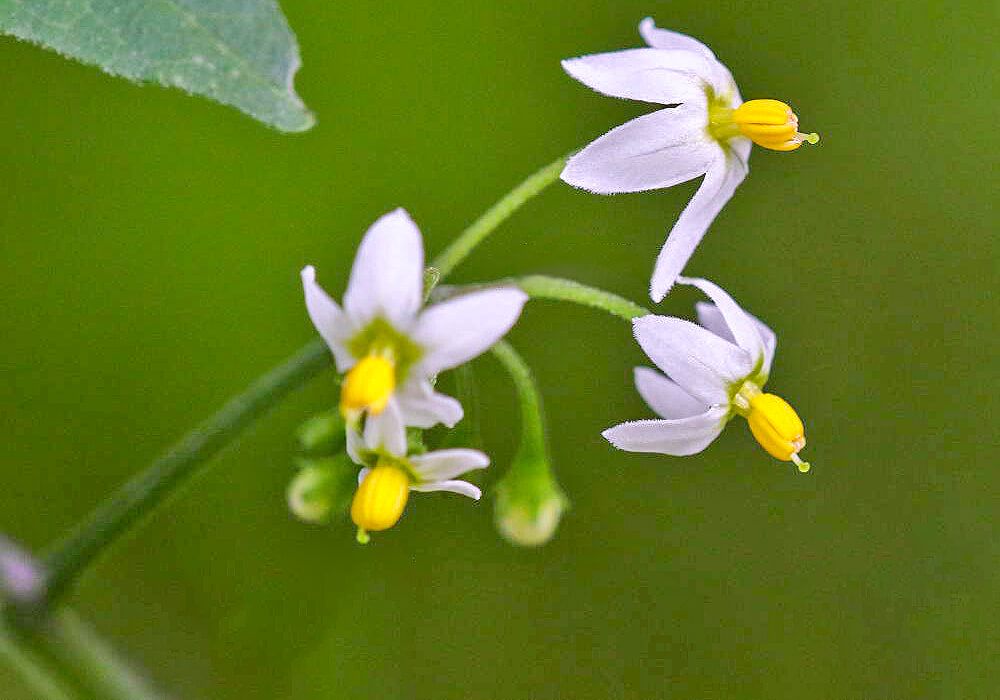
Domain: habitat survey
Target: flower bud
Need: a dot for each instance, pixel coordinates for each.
(529, 507)
(323, 434)
(322, 488)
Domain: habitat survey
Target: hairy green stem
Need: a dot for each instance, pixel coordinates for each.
(545, 287)
(532, 452)
(147, 489)
(63, 659)
(482, 227)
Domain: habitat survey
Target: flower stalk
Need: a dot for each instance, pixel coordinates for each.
(482, 227)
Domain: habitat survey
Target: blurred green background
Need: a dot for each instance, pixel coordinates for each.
(151, 244)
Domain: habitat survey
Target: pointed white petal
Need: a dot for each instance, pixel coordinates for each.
(702, 363)
(386, 431)
(422, 407)
(332, 323)
(684, 436)
(671, 41)
(362, 474)
(445, 464)
(711, 318)
(664, 396)
(741, 325)
(355, 445)
(461, 328)
(721, 80)
(650, 152)
(662, 77)
(387, 276)
(724, 174)
(462, 487)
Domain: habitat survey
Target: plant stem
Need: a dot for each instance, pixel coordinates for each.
(545, 287)
(532, 452)
(482, 227)
(63, 659)
(147, 489)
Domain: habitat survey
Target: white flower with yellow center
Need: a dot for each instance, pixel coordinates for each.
(708, 130)
(389, 346)
(715, 371)
(389, 475)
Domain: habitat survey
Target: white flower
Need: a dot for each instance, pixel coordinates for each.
(389, 475)
(715, 371)
(389, 346)
(708, 132)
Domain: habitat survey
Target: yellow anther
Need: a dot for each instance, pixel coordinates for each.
(778, 428)
(379, 501)
(368, 386)
(771, 124)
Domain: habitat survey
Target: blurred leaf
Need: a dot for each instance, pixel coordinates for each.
(238, 52)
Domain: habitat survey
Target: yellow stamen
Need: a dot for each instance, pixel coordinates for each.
(379, 501)
(368, 386)
(778, 428)
(771, 124)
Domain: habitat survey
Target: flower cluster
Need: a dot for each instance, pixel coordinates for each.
(390, 348)
(715, 371)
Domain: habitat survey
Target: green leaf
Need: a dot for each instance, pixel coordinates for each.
(238, 52)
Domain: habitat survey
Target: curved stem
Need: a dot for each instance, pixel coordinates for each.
(545, 287)
(482, 227)
(533, 452)
(63, 659)
(147, 489)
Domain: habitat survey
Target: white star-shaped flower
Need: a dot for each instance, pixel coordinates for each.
(708, 130)
(388, 344)
(390, 474)
(714, 371)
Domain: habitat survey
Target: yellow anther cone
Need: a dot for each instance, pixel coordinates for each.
(776, 426)
(381, 498)
(771, 124)
(368, 385)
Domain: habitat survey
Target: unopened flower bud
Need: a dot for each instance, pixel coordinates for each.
(529, 507)
(323, 434)
(322, 488)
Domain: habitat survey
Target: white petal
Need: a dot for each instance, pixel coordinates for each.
(462, 487)
(386, 430)
(684, 436)
(422, 407)
(650, 152)
(387, 276)
(702, 363)
(742, 325)
(721, 180)
(721, 80)
(355, 445)
(663, 77)
(332, 323)
(445, 464)
(362, 474)
(711, 318)
(671, 41)
(665, 396)
(461, 328)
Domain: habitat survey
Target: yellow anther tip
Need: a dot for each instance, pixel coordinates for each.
(368, 386)
(380, 499)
